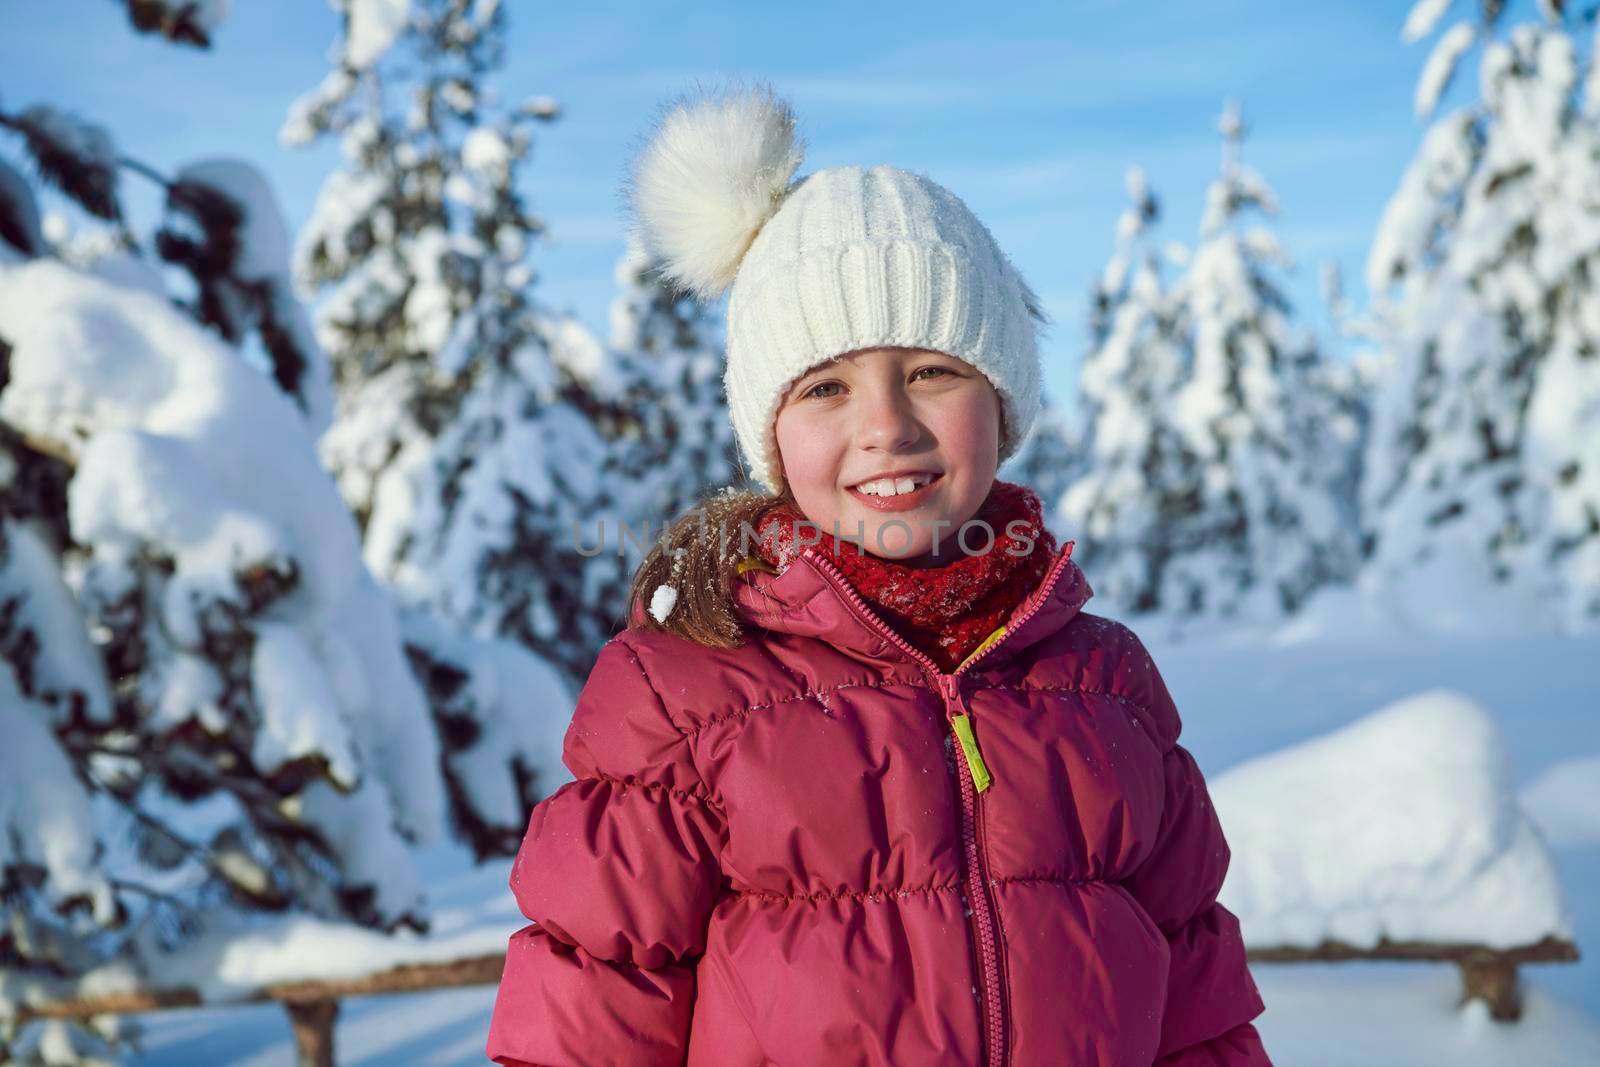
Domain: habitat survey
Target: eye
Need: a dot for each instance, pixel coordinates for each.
(812, 392)
(938, 372)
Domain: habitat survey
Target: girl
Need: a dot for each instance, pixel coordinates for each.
(861, 783)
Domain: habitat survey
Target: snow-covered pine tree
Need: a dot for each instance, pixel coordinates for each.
(1259, 416)
(207, 592)
(56, 900)
(1046, 462)
(1483, 471)
(59, 905)
(677, 442)
(1352, 383)
(257, 742)
(1131, 489)
(225, 228)
(468, 438)
(204, 695)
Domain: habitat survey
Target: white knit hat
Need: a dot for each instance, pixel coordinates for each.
(842, 259)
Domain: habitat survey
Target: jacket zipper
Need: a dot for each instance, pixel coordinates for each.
(993, 1008)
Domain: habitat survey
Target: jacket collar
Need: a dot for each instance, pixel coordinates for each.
(811, 598)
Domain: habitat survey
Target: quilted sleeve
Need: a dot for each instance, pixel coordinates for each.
(1210, 991)
(618, 871)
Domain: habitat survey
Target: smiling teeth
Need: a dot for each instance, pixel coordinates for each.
(894, 486)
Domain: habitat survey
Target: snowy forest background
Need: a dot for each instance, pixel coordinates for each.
(299, 528)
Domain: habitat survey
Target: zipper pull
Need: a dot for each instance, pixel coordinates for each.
(950, 686)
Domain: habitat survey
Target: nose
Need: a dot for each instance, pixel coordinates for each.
(887, 421)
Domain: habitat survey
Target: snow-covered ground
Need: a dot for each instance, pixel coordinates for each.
(1241, 697)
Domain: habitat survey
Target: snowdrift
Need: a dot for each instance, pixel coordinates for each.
(1404, 824)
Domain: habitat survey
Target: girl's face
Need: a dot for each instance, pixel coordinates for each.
(895, 414)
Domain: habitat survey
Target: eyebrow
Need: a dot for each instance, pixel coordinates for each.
(811, 372)
(820, 368)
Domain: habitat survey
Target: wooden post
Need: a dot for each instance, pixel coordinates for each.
(1492, 978)
(312, 1021)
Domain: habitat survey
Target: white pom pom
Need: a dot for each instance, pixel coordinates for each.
(710, 177)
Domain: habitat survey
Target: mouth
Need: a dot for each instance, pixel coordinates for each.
(896, 490)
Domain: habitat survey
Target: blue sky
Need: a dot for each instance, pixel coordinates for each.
(1031, 113)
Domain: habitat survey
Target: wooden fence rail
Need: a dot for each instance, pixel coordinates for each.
(313, 1006)
(1487, 974)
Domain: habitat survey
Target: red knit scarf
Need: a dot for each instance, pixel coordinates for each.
(945, 610)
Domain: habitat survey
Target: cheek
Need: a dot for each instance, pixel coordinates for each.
(971, 426)
(806, 453)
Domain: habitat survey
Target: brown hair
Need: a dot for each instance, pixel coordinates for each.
(709, 538)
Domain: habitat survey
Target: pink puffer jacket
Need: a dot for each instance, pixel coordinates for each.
(817, 849)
